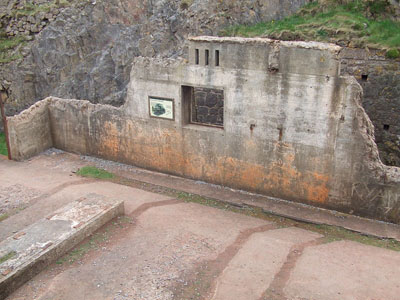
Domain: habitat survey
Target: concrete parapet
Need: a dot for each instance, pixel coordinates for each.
(30, 131)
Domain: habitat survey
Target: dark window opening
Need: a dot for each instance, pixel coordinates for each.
(206, 56)
(197, 56)
(217, 58)
(364, 77)
(386, 127)
(203, 106)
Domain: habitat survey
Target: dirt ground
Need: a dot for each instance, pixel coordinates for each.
(168, 248)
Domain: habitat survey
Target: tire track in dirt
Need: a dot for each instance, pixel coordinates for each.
(201, 282)
(63, 186)
(275, 289)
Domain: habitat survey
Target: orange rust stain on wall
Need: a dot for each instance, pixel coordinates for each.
(109, 142)
(161, 149)
(281, 179)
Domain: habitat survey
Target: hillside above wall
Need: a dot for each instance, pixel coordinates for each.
(84, 49)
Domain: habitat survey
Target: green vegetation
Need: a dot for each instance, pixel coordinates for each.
(30, 9)
(393, 53)
(7, 256)
(96, 241)
(78, 252)
(94, 172)
(3, 217)
(7, 47)
(10, 45)
(358, 23)
(3, 145)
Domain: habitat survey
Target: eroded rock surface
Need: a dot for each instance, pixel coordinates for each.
(87, 50)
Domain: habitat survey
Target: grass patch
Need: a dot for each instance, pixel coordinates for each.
(96, 241)
(3, 146)
(333, 233)
(30, 9)
(7, 256)
(3, 217)
(7, 47)
(359, 23)
(393, 53)
(94, 172)
(78, 252)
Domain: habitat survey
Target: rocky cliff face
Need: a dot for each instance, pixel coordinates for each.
(84, 49)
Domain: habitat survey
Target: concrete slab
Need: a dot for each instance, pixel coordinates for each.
(253, 269)
(39, 207)
(345, 270)
(29, 251)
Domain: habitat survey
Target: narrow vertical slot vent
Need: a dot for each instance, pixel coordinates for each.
(197, 56)
(217, 58)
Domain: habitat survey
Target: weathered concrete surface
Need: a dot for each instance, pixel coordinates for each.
(380, 80)
(30, 133)
(293, 127)
(168, 248)
(268, 251)
(354, 262)
(43, 242)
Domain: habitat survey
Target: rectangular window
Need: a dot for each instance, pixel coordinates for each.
(217, 58)
(197, 56)
(206, 57)
(203, 106)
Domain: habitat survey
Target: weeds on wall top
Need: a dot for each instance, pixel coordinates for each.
(3, 146)
(359, 23)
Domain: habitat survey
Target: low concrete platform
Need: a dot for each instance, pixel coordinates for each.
(28, 251)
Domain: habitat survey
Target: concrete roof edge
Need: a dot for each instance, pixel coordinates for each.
(259, 40)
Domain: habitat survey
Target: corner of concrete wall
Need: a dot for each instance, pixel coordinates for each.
(367, 134)
(30, 131)
(375, 186)
(77, 125)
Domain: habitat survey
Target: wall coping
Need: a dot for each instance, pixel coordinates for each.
(289, 44)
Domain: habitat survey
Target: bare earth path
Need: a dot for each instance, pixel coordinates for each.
(166, 248)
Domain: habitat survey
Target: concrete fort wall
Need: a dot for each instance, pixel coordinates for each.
(292, 127)
(30, 132)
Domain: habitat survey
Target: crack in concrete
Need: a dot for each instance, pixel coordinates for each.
(275, 289)
(202, 281)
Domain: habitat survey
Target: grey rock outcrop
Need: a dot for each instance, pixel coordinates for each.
(86, 52)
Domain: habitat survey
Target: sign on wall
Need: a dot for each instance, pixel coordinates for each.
(161, 108)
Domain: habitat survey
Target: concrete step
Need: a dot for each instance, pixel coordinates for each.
(28, 251)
